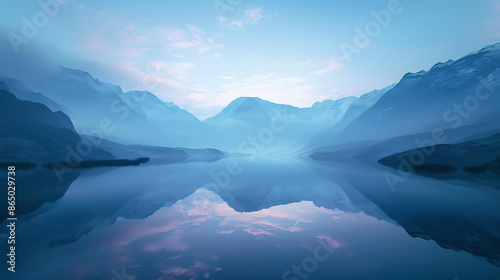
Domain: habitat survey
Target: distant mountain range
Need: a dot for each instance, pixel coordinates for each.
(32, 135)
(450, 95)
(135, 117)
(356, 108)
(139, 117)
(255, 110)
(248, 116)
(442, 123)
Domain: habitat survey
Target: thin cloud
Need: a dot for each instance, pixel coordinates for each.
(194, 38)
(304, 63)
(180, 56)
(251, 16)
(176, 70)
(332, 66)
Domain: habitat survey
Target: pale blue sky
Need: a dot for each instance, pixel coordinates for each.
(283, 51)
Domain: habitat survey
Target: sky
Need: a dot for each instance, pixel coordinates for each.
(202, 54)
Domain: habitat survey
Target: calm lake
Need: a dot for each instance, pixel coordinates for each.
(262, 218)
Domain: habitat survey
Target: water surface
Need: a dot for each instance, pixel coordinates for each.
(276, 218)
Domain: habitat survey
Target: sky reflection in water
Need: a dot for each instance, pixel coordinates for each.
(99, 233)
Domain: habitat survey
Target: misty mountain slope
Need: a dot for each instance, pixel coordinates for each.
(248, 116)
(95, 107)
(153, 108)
(88, 99)
(273, 126)
(255, 110)
(251, 125)
(463, 159)
(123, 117)
(19, 116)
(21, 91)
(373, 150)
(359, 106)
(3, 86)
(434, 98)
(40, 135)
(363, 103)
(330, 112)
